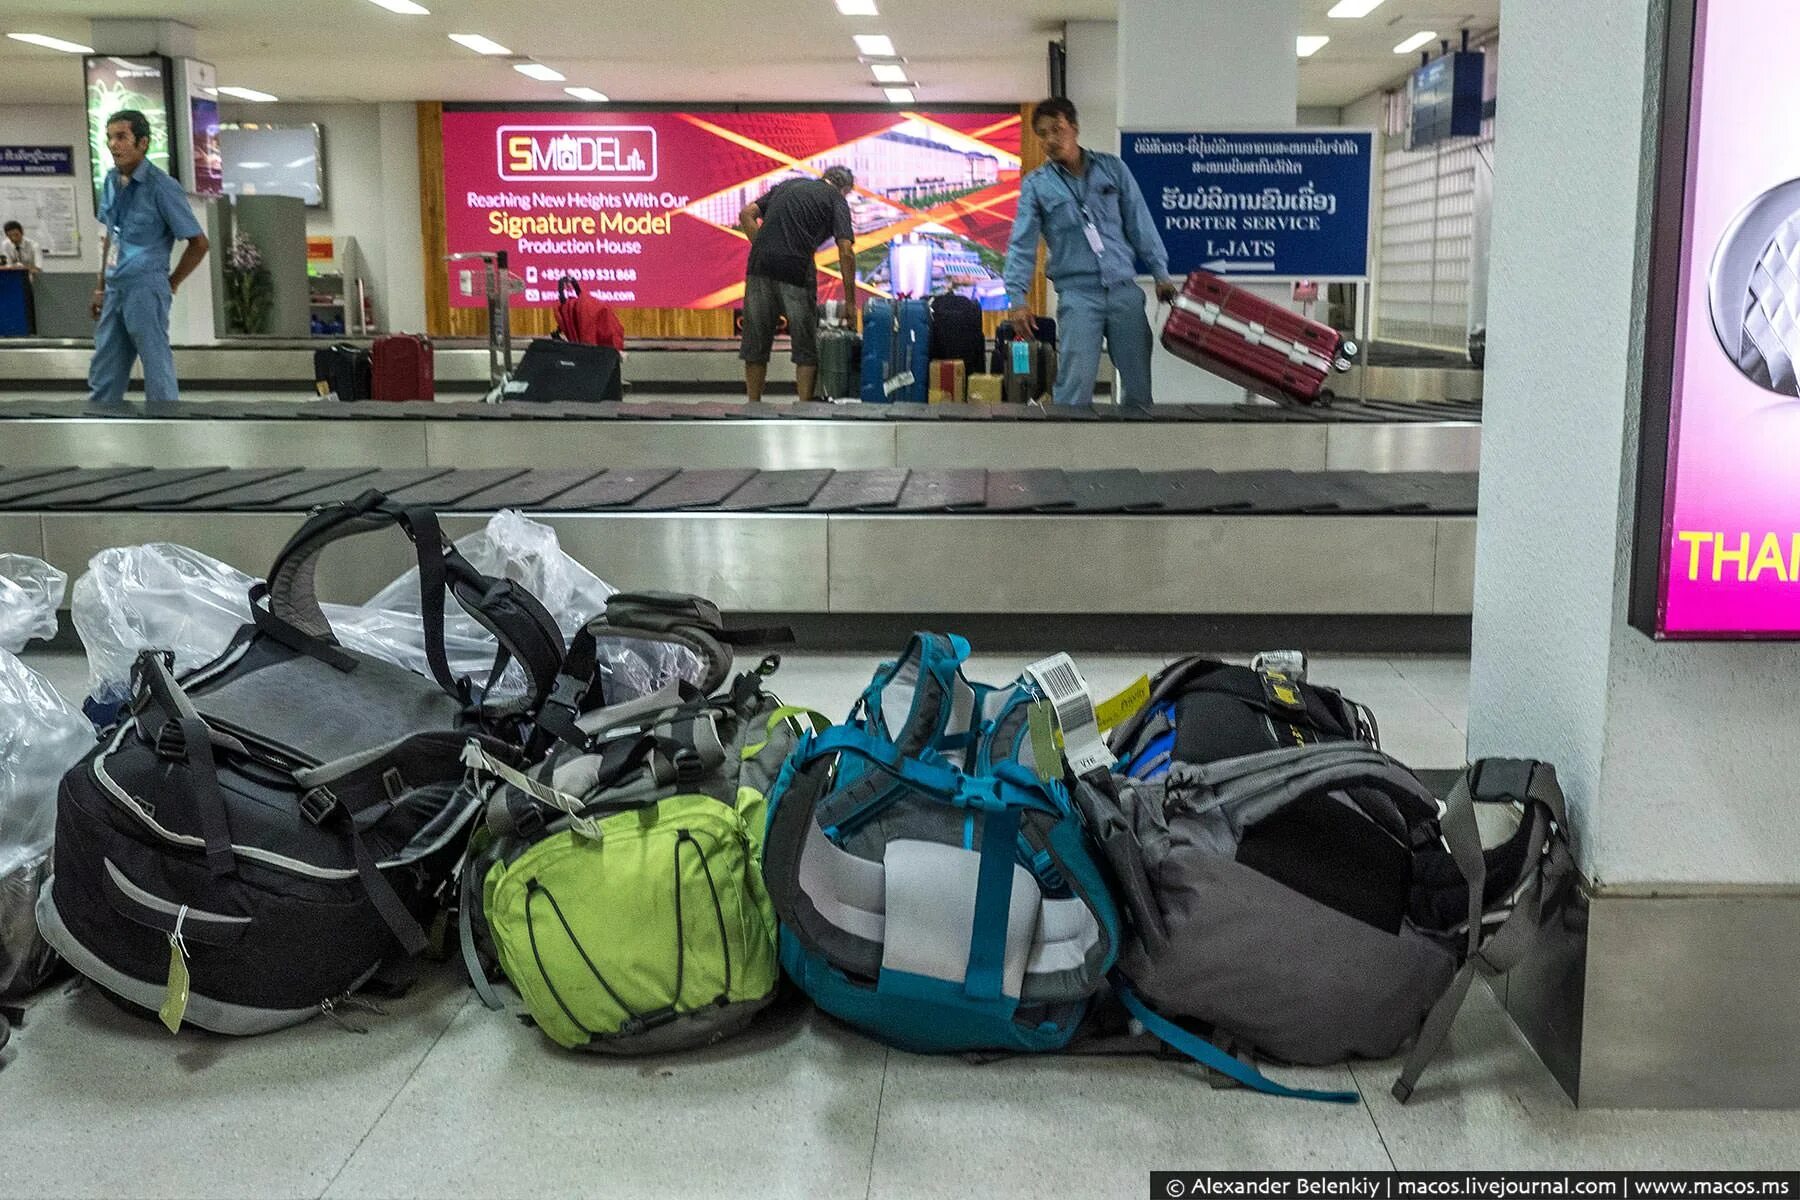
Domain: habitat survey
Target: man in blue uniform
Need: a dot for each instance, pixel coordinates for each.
(143, 213)
(1088, 209)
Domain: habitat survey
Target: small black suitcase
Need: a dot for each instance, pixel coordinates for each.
(956, 332)
(344, 372)
(554, 370)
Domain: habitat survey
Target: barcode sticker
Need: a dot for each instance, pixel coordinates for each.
(1063, 686)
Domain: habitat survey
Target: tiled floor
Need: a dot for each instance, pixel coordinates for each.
(442, 1098)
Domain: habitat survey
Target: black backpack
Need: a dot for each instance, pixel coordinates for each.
(254, 841)
(956, 332)
(1202, 710)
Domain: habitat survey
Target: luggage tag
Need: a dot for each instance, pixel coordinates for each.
(175, 995)
(1062, 685)
(1109, 713)
(1045, 752)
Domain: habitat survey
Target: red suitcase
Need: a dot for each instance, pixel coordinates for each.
(403, 369)
(1254, 342)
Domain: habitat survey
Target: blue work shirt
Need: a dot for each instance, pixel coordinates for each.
(144, 217)
(1057, 205)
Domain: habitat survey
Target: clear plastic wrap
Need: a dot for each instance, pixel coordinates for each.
(158, 596)
(41, 737)
(31, 590)
(512, 546)
(168, 597)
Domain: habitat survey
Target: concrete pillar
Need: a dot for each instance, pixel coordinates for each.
(400, 294)
(1093, 48)
(1205, 65)
(1677, 984)
(125, 35)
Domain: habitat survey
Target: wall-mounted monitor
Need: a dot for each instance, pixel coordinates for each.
(117, 82)
(274, 160)
(1445, 98)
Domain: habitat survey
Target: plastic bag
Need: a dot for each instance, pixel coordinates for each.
(159, 596)
(41, 737)
(31, 590)
(514, 547)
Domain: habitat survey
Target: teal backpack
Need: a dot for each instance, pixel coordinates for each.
(932, 877)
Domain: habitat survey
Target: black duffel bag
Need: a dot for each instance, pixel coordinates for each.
(254, 841)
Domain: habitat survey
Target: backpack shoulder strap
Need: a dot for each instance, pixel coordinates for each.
(287, 608)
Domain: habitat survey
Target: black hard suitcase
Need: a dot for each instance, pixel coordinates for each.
(344, 372)
(956, 332)
(553, 370)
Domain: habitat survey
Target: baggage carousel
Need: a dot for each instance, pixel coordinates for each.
(1019, 546)
(1349, 435)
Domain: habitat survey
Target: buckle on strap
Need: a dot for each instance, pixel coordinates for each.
(318, 804)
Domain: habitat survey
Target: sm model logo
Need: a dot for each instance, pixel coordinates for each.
(582, 152)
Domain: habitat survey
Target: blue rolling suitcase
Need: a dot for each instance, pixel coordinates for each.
(896, 351)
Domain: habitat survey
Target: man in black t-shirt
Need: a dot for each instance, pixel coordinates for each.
(785, 229)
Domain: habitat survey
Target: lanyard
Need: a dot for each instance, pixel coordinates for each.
(1080, 197)
(124, 200)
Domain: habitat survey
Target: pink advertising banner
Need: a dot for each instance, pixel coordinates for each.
(1729, 561)
(642, 208)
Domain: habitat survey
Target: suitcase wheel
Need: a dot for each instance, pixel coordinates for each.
(1342, 364)
(1348, 349)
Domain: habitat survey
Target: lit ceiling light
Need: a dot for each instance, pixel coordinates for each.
(878, 44)
(857, 8)
(898, 95)
(588, 94)
(479, 44)
(540, 72)
(1307, 45)
(244, 93)
(1351, 9)
(405, 7)
(888, 72)
(51, 43)
(1417, 41)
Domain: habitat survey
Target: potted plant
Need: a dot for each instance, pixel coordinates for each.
(249, 292)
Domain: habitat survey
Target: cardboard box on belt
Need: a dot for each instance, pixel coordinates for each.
(948, 383)
(985, 389)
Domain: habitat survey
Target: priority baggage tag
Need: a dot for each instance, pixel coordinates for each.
(175, 995)
(1060, 681)
(1093, 237)
(1110, 713)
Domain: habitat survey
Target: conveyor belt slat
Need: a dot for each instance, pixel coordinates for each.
(95, 495)
(537, 488)
(58, 480)
(1029, 490)
(446, 490)
(274, 492)
(612, 489)
(177, 494)
(694, 489)
(768, 491)
(943, 490)
(873, 490)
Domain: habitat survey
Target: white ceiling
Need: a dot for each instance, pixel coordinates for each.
(1360, 57)
(959, 50)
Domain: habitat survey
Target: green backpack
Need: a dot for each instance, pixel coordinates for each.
(620, 881)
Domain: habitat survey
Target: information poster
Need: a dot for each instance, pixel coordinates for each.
(1720, 554)
(114, 84)
(642, 208)
(47, 211)
(1286, 205)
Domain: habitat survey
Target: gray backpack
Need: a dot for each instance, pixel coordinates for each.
(1318, 904)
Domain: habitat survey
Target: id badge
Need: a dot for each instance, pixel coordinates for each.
(1093, 237)
(112, 250)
